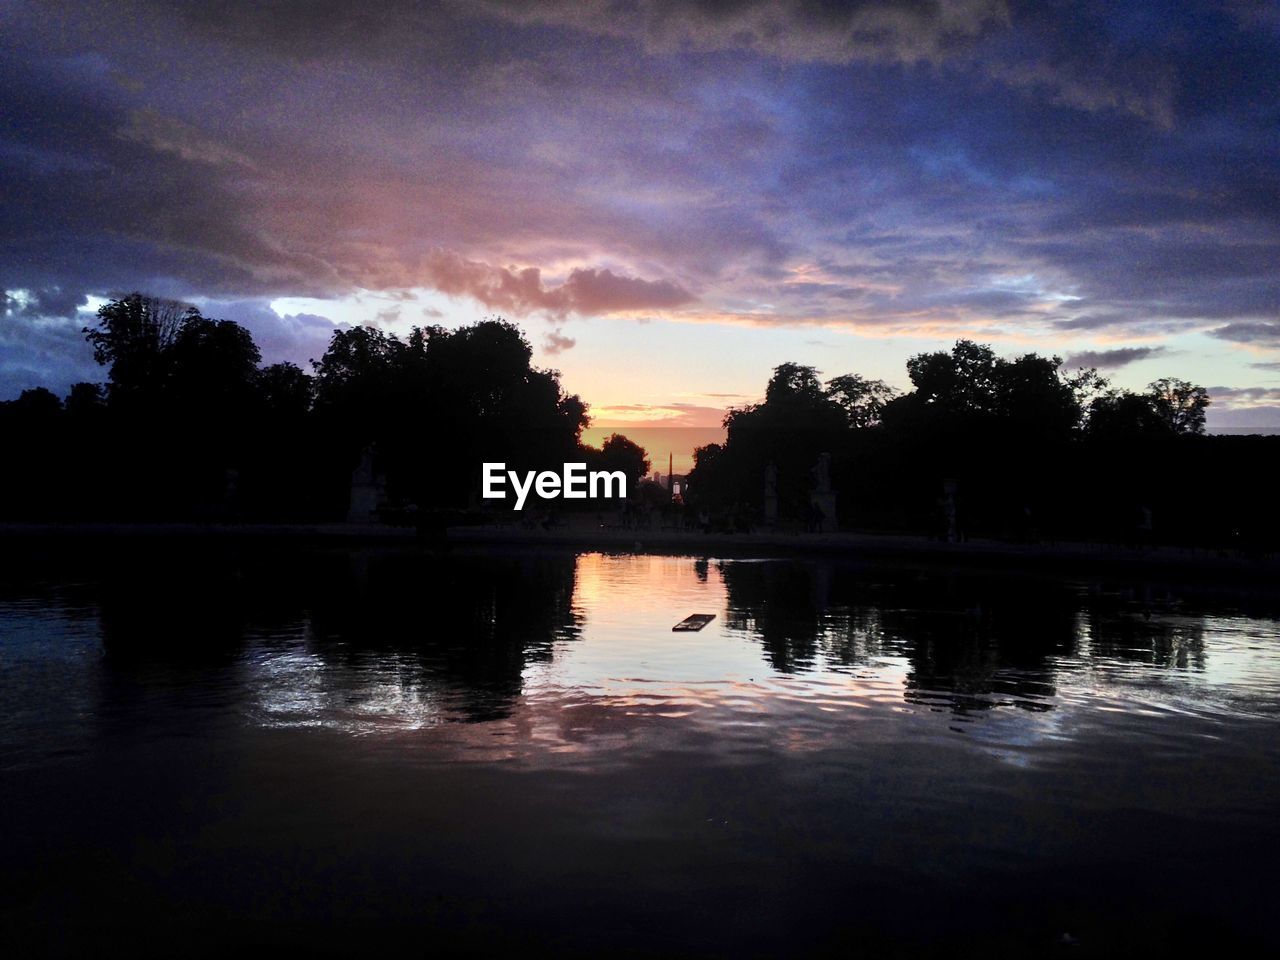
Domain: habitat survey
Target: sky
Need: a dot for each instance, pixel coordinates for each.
(670, 198)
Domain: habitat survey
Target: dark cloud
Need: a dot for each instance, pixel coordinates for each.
(1111, 359)
(791, 29)
(1261, 333)
(1244, 409)
(1094, 321)
(907, 168)
(42, 302)
(169, 135)
(44, 351)
(1244, 398)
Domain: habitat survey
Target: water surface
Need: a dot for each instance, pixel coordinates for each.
(205, 748)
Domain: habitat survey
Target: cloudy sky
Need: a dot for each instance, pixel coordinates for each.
(671, 198)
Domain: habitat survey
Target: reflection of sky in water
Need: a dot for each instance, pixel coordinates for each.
(622, 680)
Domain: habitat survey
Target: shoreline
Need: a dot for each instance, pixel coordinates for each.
(1062, 557)
(1058, 558)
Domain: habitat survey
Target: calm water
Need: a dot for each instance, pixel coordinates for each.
(203, 748)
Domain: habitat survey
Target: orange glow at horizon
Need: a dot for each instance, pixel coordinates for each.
(660, 443)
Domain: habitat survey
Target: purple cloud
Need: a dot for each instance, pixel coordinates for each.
(982, 168)
(1111, 359)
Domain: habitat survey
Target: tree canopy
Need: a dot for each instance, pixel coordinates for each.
(1011, 431)
(190, 422)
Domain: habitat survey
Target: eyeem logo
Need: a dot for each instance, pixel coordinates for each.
(574, 483)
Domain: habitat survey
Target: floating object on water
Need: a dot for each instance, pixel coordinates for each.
(693, 623)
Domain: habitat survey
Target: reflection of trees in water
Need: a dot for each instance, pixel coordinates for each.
(468, 625)
(701, 568)
(981, 642)
(172, 607)
(783, 604)
(1137, 627)
(462, 629)
(852, 636)
(972, 643)
(172, 620)
(988, 646)
(791, 609)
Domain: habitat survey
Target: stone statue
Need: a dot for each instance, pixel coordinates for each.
(368, 491)
(822, 474)
(822, 499)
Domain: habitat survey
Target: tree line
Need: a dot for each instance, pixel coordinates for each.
(190, 425)
(1023, 448)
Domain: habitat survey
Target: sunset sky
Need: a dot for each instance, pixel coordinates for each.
(670, 198)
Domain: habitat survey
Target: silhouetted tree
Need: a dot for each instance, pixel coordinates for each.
(286, 389)
(85, 399)
(133, 338)
(792, 382)
(36, 404)
(1123, 415)
(1086, 385)
(619, 453)
(797, 421)
(436, 405)
(1179, 404)
(972, 385)
(1031, 395)
(1031, 448)
(960, 382)
(190, 425)
(862, 400)
(353, 384)
(213, 370)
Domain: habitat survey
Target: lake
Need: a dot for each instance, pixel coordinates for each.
(209, 746)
